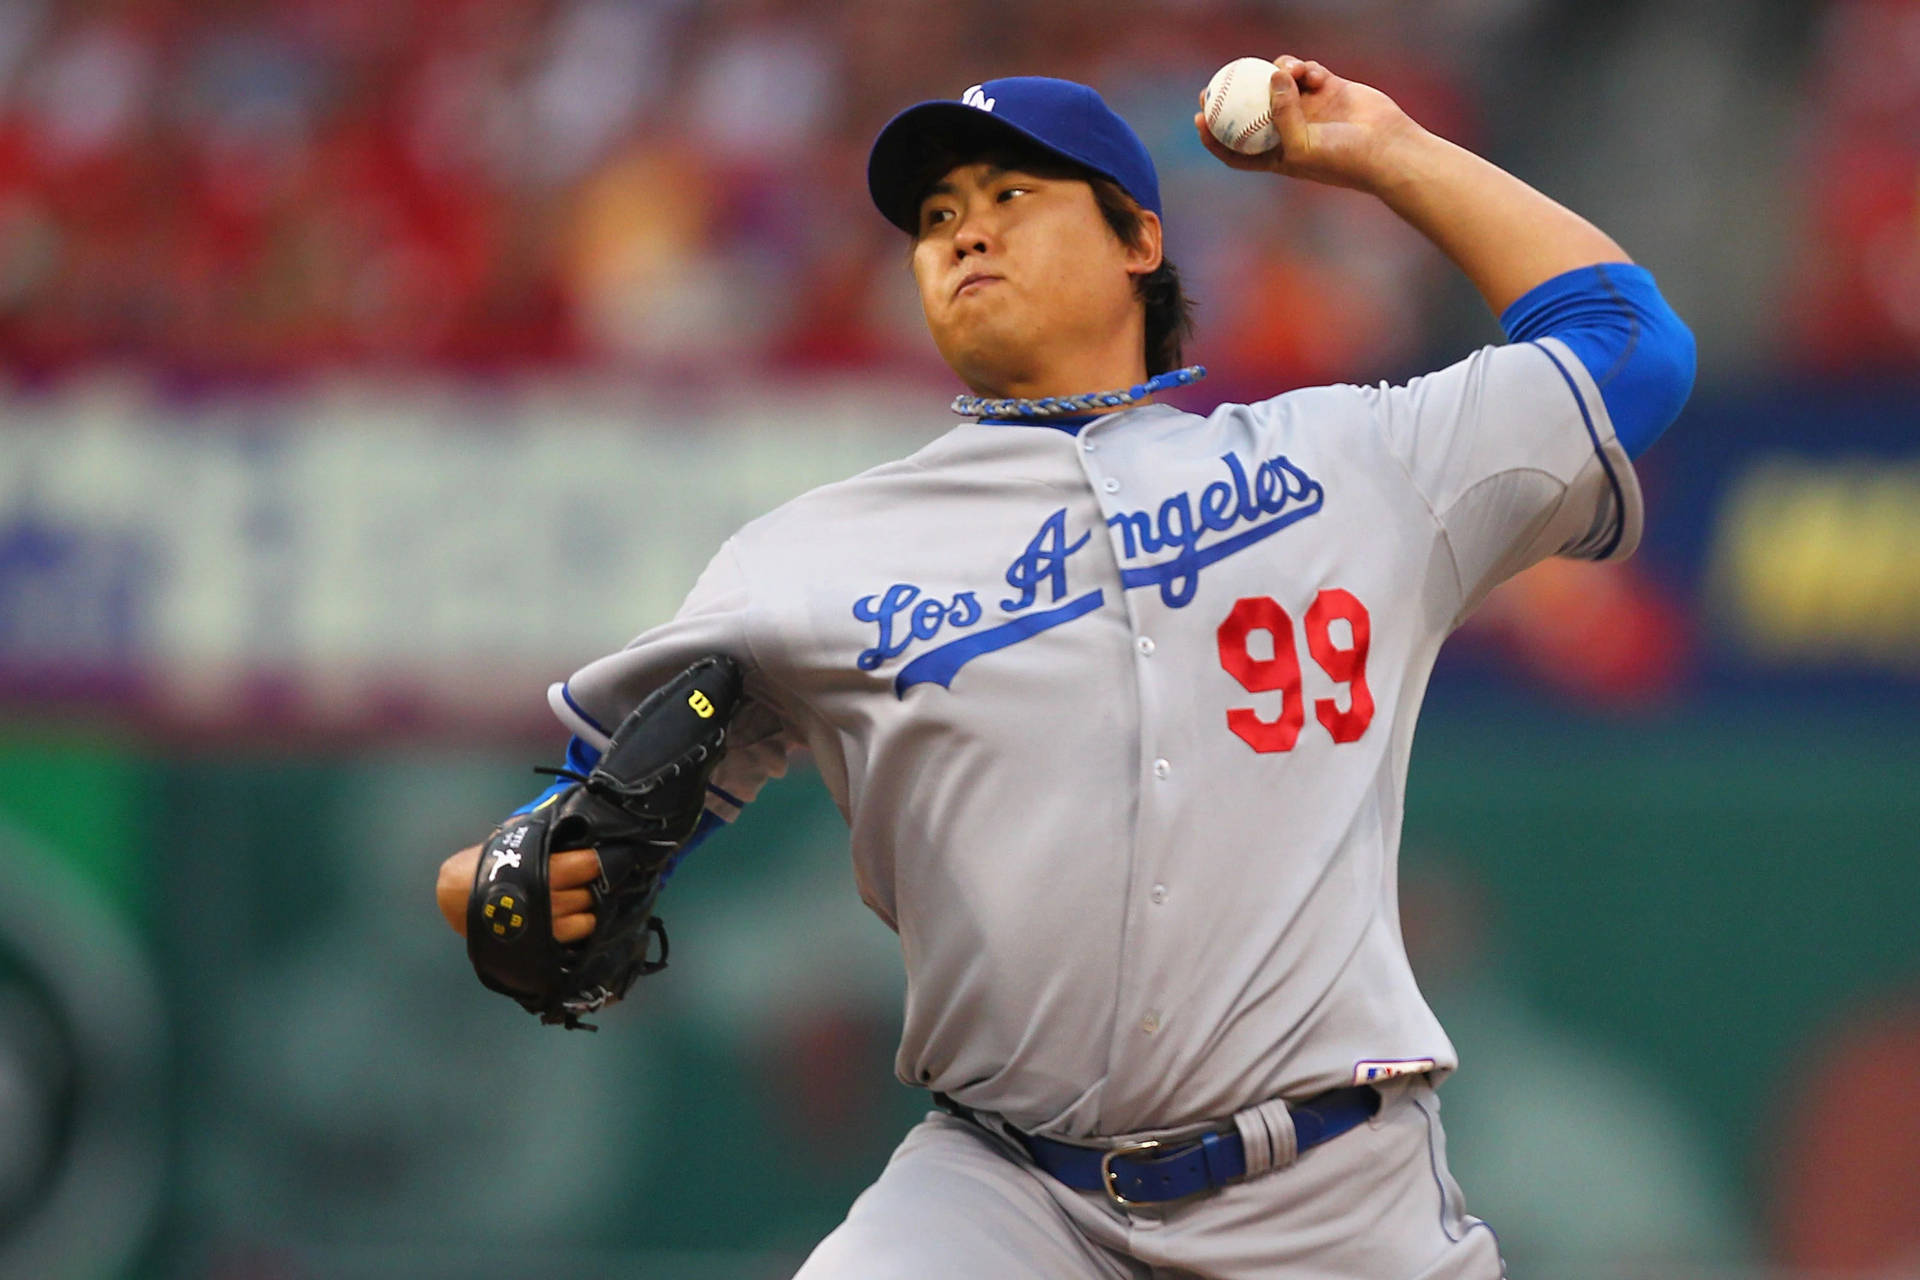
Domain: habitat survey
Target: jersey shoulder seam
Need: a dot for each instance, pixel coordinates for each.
(1426, 503)
(1593, 439)
(787, 510)
(732, 547)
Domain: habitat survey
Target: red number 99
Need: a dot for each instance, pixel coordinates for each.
(1345, 664)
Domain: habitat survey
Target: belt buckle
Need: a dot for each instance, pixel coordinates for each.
(1109, 1180)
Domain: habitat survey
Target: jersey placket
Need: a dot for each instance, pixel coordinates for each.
(1139, 1015)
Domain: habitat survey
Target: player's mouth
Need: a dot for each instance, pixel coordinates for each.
(973, 282)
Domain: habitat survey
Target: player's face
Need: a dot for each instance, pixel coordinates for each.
(1020, 273)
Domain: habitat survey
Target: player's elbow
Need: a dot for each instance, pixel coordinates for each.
(1676, 363)
(1657, 379)
(1640, 353)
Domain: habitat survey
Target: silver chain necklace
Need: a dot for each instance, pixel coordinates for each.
(1092, 402)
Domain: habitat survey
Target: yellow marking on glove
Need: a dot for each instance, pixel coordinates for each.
(702, 705)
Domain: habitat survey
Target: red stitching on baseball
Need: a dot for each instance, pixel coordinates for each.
(1220, 99)
(1258, 123)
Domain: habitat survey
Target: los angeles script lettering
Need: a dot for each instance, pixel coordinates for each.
(1275, 494)
(902, 621)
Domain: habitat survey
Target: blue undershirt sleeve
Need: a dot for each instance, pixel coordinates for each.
(581, 758)
(710, 822)
(1611, 316)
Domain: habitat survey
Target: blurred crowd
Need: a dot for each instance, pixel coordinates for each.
(1857, 279)
(237, 187)
(252, 187)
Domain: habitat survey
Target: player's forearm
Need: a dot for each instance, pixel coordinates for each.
(1506, 236)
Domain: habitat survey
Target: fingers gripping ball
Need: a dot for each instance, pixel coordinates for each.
(1239, 106)
(637, 808)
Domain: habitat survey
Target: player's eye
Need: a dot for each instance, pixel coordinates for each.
(933, 216)
(1008, 193)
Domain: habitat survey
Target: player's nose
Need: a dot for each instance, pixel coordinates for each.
(970, 245)
(973, 230)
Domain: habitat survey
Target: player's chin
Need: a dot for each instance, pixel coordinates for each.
(983, 350)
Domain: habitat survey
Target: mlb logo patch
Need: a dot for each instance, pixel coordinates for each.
(1380, 1072)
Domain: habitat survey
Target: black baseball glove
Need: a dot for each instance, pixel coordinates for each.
(637, 808)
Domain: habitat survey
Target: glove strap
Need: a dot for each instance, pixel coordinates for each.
(509, 918)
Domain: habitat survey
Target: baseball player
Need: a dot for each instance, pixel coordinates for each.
(1117, 700)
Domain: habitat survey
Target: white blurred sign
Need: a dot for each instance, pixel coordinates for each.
(380, 554)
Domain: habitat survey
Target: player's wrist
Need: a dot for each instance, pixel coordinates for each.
(1404, 160)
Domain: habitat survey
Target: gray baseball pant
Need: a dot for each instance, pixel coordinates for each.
(1376, 1203)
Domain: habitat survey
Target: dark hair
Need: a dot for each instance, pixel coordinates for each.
(1169, 310)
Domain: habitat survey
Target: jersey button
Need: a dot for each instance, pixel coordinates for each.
(1087, 445)
(1145, 645)
(1162, 770)
(1110, 485)
(1159, 894)
(1150, 1023)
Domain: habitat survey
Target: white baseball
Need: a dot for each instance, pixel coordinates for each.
(1240, 106)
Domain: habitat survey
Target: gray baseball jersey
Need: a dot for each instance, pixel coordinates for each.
(1120, 720)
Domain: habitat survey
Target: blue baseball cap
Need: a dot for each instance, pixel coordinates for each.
(1060, 117)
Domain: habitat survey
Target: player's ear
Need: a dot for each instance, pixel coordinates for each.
(1148, 249)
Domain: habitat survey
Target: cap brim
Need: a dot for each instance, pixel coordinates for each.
(896, 167)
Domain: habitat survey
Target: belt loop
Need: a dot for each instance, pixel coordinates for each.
(1266, 1131)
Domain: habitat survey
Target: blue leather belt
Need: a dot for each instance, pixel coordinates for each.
(1158, 1173)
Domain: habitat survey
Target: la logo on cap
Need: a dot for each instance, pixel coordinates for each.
(974, 97)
